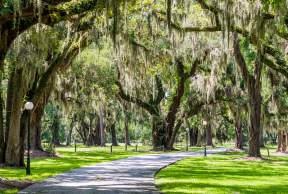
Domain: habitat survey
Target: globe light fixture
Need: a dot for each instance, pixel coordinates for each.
(28, 107)
(204, 123)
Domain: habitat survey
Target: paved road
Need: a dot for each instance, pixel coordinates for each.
(130, 175)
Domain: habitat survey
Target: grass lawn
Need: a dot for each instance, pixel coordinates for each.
(42, 168)
(224, 173)
(68, 159)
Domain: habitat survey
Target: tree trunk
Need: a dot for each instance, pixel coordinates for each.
(5, 42)
(69, 136)
(158, 133)
(126, 131)
(175, 132)
(97, 138)
(236, 112)
(261, 136)
(13, 155)
(23, 135)
(55, 131)
(36, 118)
(2, 132)
(253, 83)
(209, 135)
(113, 135)
(239, 136)
(9, 102)
(193, 135)
(200, 138)
(91, 135)
(255, 116)
(279, 141)
(284, 141)
(176, 101)
(102, 129)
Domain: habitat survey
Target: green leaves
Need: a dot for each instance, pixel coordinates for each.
(5, 10)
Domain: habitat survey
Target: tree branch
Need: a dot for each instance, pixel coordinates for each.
(135, 100)
(240, 60)
(161, 92)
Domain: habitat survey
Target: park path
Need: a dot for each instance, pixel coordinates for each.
(130, 175)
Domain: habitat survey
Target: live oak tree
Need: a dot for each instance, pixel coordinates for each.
(157, 47)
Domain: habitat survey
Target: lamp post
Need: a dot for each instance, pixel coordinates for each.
(187, 137)
(28, 106)
(205, 149)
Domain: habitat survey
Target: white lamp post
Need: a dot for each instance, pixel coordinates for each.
(187, 139)
(205, 149)
(28, 106)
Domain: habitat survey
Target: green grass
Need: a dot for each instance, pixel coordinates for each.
(68, 159)
(42, 168)
(224, 173)
(9, 191)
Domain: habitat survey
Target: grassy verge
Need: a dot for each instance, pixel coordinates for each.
(42, 168)
(225, 173)
(68, 159)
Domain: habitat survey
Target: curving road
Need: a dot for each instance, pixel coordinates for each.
(130, 175)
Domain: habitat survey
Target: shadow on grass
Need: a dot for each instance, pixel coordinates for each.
(42, 168)
(223, 174)
(215, 188)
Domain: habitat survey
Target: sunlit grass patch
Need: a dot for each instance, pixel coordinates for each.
(224, 173)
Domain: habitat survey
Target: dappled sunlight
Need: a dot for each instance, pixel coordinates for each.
(131, 175)
(223, 174)
(45, 167)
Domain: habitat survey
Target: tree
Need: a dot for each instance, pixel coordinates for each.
(253, 83)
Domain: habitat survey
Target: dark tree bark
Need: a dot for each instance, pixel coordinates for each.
(126, 123)
(3, 52)
(193, 136)
(126, 132)
(201, 139)
(97, 137)
(238, 126)
(2, 131)
(35, 137)
(102, 125)
(255, 116)
(209, 134)
(23, 135)
(176, 131)
(158, 133)
(254, 91)
(55, 132)
(69, 135)
(284, 142)
(113, 134)
(13, 155)
(9, 102)
(279, 141)
(239, 136)
(176, 101)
